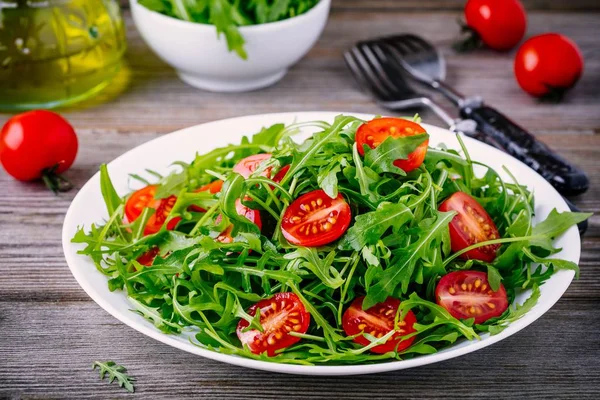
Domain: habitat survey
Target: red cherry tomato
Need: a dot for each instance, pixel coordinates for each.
(279, 315)
(548, 63)
(471, 225)
(213, 187)
(379, 321)
(144, 198)
(148, 257)
(252, 215)
(500, 24)
(467, 294)
(315, 219)
(248, 165)
(374, 132)
(281, 174)
(34, 142)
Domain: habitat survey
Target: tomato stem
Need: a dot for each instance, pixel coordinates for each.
(469, 39)
(54, 181)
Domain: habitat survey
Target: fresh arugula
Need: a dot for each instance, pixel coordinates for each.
(228, 15)
(115, 372)
(398, 243)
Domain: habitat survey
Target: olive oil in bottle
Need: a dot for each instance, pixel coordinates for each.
(56, 52)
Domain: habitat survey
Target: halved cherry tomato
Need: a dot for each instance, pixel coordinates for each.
(213, 187)
(471, 225)
(248, 165)
(148, 257)
(250, 214)
(281, 174)
(467, 294)
(144, 198)
(279, 315)
(374, 132)
(315, 219)
(379, 321)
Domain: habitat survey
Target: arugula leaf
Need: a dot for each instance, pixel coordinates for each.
(322, 268)
(514, 313)
(369, 227)
(382, 158)
(494, 278)
(111, 198)
(401, 270)
(115, 371)
(555, 262)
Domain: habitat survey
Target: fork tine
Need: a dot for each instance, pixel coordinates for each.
(392, 72)
(379, 65)
(367, 73)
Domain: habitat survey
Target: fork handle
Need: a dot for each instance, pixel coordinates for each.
(566, 178)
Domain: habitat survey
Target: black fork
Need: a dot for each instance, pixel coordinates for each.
(421, 61)
(377, 73)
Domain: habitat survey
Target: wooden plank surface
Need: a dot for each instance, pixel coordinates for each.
(50, 332)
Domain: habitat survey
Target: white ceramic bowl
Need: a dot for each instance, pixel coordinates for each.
(88, 207)
(203, 61)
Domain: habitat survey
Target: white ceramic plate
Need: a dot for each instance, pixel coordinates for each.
(88, 207)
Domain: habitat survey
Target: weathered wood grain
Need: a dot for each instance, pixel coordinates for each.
(51, 332)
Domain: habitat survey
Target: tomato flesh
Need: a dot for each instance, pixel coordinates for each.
(212, 188)
(379, 321)
(374, 132)
(548, 63)
(467, 294)
(252, 215)
(281, 174)
(34, 141)
(144, 198)
(249, 165)
(148, 257)
(471, 225)
(315, 219)
(500, 24)
(279, 315)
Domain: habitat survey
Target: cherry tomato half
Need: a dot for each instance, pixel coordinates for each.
(248, 165)
(547, 64)
(281, 174)
(213, 187)
(374, 132)
(315, 219)
(471, 225)
(144, 198)
(467, 294)
(148, 257)
(35, 141)
(500, 24)
(279, 315)
(252, 215)
(379, 321)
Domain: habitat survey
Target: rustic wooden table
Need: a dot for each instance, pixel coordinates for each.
(51, 332)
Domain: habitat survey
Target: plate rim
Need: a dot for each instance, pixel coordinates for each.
(322, 370)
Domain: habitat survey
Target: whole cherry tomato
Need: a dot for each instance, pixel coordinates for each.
(500, 24)
(548, 64)
(38, 144)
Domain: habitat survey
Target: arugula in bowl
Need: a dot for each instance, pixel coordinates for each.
(228, 15)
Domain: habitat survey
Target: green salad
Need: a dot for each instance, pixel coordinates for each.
(228, 15)
(358, 245)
